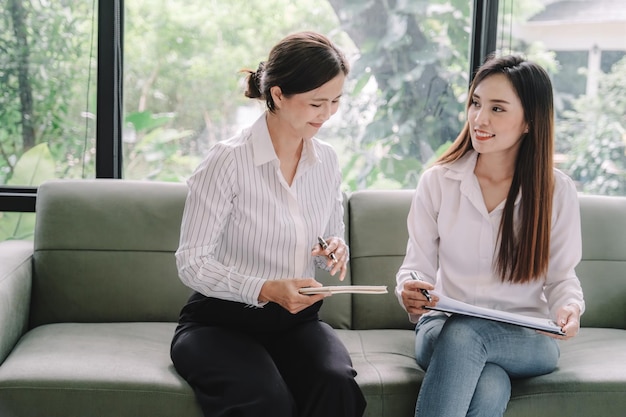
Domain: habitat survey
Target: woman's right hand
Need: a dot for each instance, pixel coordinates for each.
(285, 292)
(413, 299)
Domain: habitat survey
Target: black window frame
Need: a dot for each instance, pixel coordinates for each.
(109, 111)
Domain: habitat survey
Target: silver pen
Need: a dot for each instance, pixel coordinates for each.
(417, 277)
(324, 246)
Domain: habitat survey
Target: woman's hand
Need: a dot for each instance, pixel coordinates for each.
(413, 299)
(285, 292)
(568, 317)
(342, 254)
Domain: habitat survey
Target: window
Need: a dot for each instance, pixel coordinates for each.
(183, 90)
(583, 46)
(47, 91)
(47, 102)
(169, 87)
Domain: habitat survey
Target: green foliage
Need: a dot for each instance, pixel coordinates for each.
(34, 167)
(184, 59)
(595, 134)
(413, 69)
(156, 154)
(54, 67)
(404, 101)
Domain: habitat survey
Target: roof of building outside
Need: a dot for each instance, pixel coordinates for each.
(583, 11)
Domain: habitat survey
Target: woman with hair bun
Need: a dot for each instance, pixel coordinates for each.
(247, 341)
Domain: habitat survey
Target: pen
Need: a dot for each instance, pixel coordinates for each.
(324, 246)
(417, 277)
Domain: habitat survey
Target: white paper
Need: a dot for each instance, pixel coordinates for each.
(450, 305)
(346, 289)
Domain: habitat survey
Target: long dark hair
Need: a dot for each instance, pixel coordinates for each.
(524, 249)
(299, 63)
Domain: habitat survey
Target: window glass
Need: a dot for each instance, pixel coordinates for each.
(403, 102)
(47, 97)
(47, 91)
(583, 46)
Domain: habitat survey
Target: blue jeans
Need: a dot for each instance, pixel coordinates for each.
(469, 364)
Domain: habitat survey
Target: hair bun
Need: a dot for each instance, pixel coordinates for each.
(259, 74)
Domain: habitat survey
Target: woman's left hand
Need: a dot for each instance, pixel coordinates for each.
(338, 247)
(568, 317)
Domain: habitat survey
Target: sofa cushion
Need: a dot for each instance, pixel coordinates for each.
(378, 239)
(15, 289)
(602, 270)
(120, 368)
(337, 310)
(387, 372)
(104, 243)
(589, 379)
(72, 369)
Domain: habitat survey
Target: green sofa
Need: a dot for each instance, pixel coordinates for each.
(88, 309)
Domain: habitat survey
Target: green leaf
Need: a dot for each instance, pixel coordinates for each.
(160, 136)
(34, 167)
(145, 120)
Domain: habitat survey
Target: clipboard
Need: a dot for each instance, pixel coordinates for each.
(450, 305)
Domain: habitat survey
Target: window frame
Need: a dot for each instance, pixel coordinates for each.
(109, 119)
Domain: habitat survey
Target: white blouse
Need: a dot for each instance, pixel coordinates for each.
(453, 242)
(243, 224)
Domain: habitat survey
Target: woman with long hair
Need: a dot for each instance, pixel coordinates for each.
(495, 225)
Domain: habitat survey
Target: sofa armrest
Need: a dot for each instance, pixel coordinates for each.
(15, 287)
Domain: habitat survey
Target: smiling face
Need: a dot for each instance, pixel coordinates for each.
(496, 116)
(302, 115)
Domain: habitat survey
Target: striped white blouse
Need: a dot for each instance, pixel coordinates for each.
(243, 224)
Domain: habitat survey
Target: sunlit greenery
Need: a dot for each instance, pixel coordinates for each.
(45, 93)
(595, 131)
(183, 89)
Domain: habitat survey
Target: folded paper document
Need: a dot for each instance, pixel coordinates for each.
(346, 289)
(450, 305)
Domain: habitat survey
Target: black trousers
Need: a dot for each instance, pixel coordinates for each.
(262, 362)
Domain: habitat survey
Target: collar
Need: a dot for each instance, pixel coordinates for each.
(463, 170)
(263, 148)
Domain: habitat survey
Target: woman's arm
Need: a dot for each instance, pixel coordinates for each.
(207, 211)
(422, 246)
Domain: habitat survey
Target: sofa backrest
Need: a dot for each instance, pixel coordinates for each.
(602, 270)
(378, 238)
(337, 310)
(104, 251)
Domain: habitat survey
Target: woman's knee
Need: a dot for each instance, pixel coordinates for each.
(183, 355)
(461, 334)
